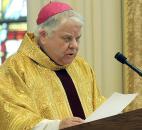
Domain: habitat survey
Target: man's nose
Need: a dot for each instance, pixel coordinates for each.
(74, 44)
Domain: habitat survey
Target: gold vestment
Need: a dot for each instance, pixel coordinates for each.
(30, 91)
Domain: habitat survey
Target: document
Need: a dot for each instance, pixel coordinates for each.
(112, 106)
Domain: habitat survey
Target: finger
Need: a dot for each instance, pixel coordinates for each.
(77, 119)
(75, 123)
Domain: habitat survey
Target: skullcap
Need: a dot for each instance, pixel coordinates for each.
(50, 10)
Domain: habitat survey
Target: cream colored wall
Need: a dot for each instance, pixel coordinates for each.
(101, 38)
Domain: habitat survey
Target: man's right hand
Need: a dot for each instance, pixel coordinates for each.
(70, 122)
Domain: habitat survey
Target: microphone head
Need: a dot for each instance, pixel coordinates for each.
(120, 57)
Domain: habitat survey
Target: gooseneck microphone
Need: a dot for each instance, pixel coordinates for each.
(121, 58)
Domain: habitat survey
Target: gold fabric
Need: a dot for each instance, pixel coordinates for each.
(133, 49)
(30, 91)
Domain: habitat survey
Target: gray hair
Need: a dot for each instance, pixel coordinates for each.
(53, 22)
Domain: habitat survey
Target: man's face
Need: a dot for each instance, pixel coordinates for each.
(62, 46)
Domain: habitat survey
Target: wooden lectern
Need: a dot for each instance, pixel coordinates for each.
(127, 121)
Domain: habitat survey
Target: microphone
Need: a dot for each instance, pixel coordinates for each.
(121, 58)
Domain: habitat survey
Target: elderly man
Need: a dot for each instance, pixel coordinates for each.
(46, 85)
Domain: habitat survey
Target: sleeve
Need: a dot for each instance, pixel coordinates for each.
(47, 125)
(17, 109)
(98, 97)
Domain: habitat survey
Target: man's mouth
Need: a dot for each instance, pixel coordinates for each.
(71, 54)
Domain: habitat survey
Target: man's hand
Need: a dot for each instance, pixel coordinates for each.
(70, 122)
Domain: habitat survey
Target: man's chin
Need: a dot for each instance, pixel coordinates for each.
(67, 62)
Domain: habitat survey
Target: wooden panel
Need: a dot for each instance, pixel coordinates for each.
(126, 121)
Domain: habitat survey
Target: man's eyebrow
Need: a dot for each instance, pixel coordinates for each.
(65, 32)
(69, 34)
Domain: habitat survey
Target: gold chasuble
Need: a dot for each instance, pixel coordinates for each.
(30, 90)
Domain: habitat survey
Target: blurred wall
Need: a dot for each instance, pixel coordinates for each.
(101, 40)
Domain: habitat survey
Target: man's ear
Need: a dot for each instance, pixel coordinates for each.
(42, 33)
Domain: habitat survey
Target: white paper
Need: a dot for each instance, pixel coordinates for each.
(113, 106)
